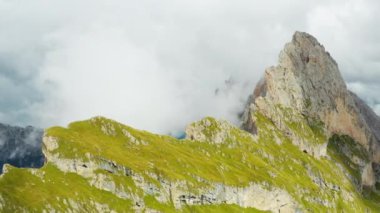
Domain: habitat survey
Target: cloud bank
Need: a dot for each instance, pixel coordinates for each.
(161, 65)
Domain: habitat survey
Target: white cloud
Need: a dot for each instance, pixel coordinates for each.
(348, 30)
(155, 65)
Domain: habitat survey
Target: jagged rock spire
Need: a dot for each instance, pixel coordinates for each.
(308, 81)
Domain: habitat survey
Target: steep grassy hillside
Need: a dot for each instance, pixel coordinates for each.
(102, 165)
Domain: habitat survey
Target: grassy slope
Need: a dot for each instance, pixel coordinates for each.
(239, 161)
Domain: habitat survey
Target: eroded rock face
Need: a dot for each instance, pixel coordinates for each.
(373, 122)
(308, 81)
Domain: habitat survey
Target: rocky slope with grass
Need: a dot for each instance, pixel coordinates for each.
(296, 158)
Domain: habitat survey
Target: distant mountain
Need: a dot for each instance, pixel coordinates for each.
(307, 145)
(21, 147)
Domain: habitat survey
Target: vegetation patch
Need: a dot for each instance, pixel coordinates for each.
(344, 150)
(270, 160)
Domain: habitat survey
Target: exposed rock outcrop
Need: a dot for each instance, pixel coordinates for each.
(373, 122)
(207, 129)
(307, 81)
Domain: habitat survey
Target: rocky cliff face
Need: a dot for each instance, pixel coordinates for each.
(306, 88)
(368, 115)
(20, 147)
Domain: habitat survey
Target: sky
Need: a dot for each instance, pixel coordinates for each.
(160, 65)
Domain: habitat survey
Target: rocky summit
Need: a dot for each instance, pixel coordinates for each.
(306, 90)
(307, 144)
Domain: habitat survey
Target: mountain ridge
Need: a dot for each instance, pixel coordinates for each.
(292, 158)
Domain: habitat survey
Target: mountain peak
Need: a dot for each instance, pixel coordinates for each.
(303, 36)
(305, 52)
(307, 87)
(305, 73)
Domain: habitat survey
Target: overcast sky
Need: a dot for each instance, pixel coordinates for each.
(158, 65)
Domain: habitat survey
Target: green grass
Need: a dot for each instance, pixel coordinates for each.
(220, 209)
(343, 149)
(239, 161)
(22, 189)
(305, 128)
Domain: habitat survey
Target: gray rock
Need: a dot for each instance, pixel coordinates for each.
(20, 147)
(307, 80)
